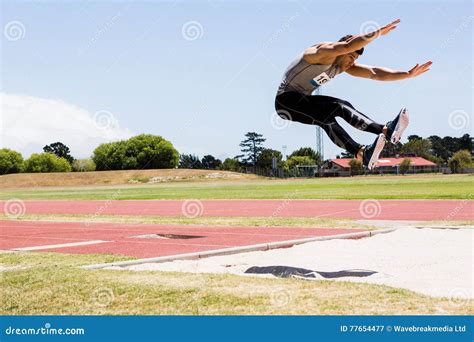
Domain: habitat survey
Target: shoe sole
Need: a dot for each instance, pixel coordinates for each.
(378, 149)
(402, 124)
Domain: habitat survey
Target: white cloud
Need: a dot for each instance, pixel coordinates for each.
(28, 123)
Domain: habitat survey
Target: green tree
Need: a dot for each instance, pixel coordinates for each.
(265, 158)
(308, 152)
(146, 151)
(465, 143)
(357, 168)
(46, 162)
(230, 164)
(299, 161)
(460, 160)
(189, 161)
(59, 149)
(10, 161)
(109, 156)
(83, 165)
(345, 154)
(209, 162)
(405, 165)
(414, 137)
(143, 151)
(418, 147)
(251, 148)
(438, 148)
(391, 150)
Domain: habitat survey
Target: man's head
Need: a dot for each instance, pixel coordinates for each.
(346, 61)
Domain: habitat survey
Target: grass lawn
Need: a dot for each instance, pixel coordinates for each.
(51, 283)
(428, 186)
(298, 222)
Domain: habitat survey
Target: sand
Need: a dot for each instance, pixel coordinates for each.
(434, 262)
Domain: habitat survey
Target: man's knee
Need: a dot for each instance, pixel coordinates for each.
(347, 103)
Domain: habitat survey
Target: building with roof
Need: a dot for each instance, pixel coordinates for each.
(340, 166)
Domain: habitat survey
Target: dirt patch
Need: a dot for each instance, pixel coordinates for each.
(28, 180)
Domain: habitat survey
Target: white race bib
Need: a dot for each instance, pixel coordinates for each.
(321, 79)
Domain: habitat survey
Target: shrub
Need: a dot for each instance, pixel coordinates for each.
(83, 165)
(299, 160)
(460, 160)
(10, 161)
(357, 168)
(144, 151)
(307, 152)
(230, 164)
(46, 162)
(405, 165)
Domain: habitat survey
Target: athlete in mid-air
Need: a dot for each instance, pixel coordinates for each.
(319, 64)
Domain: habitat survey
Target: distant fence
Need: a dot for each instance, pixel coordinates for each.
(447, 170)
(311, 171)
(301, 172)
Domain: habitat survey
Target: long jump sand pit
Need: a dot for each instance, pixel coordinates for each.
(435, 262)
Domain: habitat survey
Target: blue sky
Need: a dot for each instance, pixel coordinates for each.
(135, 61)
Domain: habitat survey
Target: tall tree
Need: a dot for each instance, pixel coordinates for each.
(251, 148)
(189, 161)
(438, 148)
(391, 150)
(209, 162)
(418, 147)
(265, 158)
(414, 137)
(59, 149)
(465, 142)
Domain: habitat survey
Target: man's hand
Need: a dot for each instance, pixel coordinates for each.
(387, 28)
(385, 74)
(326, 53)
(417, 70)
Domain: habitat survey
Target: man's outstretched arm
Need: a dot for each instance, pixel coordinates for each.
(331, 50)
(385, 74)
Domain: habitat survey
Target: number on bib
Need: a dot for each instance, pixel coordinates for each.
(321, 79)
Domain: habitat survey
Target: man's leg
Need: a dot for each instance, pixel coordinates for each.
(317, 110)
(355, 118)
(321, 111)
(341, 138)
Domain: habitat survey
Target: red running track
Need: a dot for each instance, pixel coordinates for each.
(120, 238)
(417, 210)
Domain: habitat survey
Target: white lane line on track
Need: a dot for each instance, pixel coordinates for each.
(62, 245)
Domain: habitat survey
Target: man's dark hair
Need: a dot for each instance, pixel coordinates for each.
(346, 38)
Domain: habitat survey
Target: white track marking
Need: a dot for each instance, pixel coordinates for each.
(62, 245)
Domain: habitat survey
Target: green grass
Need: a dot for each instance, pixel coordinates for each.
(211, 221)
(298, 222)
(376, 187)
(51, 284)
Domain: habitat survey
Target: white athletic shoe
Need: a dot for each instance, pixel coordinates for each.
(372, 152)
(402, 124)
